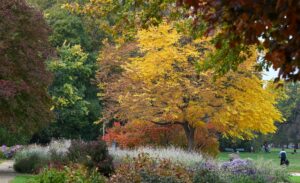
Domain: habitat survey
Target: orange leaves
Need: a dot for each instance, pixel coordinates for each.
(138, 133)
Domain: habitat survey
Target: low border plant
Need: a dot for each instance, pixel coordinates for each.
(34, 157)
(92, 154)
(174, 154)
(72, 174)
(147, 169)
(240, 171)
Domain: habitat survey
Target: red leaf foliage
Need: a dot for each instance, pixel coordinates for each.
(23, 77)
(139, 133)
(277, 21)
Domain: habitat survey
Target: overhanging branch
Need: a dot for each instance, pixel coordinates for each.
(167, 123)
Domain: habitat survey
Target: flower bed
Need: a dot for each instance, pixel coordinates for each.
(148, 165)
(9, 152)
(58, 154)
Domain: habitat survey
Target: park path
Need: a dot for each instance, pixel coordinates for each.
(295, 174)
(7, 172)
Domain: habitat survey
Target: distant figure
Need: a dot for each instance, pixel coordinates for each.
(266, 148)
(251, 149)
(283, 157)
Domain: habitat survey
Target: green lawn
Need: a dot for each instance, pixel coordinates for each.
(273, 156)
(295, 179)
(22, 178)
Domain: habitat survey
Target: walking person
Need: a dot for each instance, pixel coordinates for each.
(283, 157)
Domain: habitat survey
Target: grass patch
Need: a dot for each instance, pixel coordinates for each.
(23, 178)
(295, 179)
(272, 156)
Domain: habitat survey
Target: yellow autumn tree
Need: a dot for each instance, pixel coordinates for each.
(159, 84)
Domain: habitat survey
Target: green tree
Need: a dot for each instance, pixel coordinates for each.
(76, 118)
(67, 27)
(294, 126)
(289, 131)
(24, 102)
(45, 4)
(74, 104)
(75, 29)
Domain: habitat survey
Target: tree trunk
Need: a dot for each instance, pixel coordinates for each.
(190, 135)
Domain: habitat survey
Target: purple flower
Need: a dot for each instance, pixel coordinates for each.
(209, 165)
(3, 148)
(239, 166)
(10, 152)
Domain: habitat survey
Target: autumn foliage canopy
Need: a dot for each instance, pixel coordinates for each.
(235, 24)
(25, 105)
(243, 22)
(155, 81)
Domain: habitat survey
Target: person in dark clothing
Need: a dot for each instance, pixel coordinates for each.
(283, 157)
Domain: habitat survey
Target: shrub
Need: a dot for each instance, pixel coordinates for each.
(58, 157)
(33, 158)
(240, 166)
(240, 171)
(2, 156)
(249, 171)
(99, 157)
(30, 163)
(59, 146)
(204, 176)
(95, 177)
(93, 154)
(57, 152)
(270, 172)
(80, 174)
(243, 179)
(143, 168)
(175, 155)
(209, 171)
(77, 151)
(158, 178)
(74, 174)
(51, 176)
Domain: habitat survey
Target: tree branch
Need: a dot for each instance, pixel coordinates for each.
(167, 123)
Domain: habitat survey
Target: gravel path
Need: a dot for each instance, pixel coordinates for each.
(295, 174)
(7, 172)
